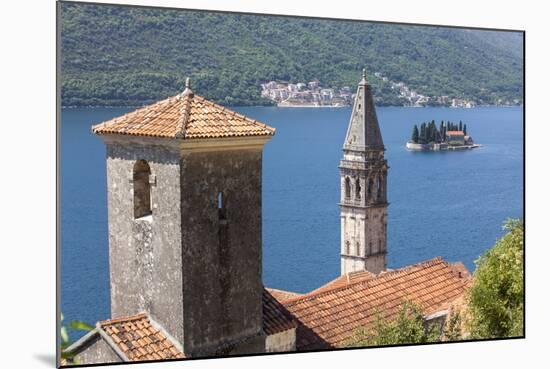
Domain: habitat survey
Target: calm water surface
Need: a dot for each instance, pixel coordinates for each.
(449, 204)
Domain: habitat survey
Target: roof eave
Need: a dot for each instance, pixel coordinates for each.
(224, 143)
(81, 343)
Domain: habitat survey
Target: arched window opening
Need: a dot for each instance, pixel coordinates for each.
(142, 189)
(347, 248)
(378, 187)
(221, 206)
(223, 225)
(358, 189)
(369, 188)
(347, 188)
(357, 249)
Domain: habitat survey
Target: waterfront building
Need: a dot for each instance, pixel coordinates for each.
(455, 137)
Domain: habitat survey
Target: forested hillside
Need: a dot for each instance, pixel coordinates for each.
(113, 55)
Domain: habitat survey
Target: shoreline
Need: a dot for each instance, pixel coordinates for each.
(428, 147)
(313, 106)
(286, 106)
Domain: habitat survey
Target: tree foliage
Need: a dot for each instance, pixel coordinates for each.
(64, 333)
(407, 327)
(452, 329)
(414, 136)
(429, 132)
(495, 300)
(114, 55)
(494, 303)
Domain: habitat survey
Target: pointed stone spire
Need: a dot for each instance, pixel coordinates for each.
(363, 130)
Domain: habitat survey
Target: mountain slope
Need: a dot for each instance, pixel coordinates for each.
(114, 55)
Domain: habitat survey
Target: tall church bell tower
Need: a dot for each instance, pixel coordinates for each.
(363, 180)
(184, 180)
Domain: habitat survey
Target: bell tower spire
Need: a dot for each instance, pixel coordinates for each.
(363, 178)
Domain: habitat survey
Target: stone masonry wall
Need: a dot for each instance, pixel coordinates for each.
(145, 253)
(222, 250)
(281, 342)
(97, 352)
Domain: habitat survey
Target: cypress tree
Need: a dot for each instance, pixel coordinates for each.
(460, 126)
(428, 132)
(414, 137)
(423, 133)
(465, 132)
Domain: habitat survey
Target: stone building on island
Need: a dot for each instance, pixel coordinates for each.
(185, 246)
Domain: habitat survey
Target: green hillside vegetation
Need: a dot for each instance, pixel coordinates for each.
(113, 55)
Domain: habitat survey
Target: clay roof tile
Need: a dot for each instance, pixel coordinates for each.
(328, 316)
(183, 117)
(136, 337)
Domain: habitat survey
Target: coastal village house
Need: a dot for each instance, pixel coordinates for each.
(184, 206)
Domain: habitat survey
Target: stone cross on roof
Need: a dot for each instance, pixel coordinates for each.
(187, 90)
(364, 80)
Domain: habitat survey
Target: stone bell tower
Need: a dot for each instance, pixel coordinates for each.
(184, 182)
(363, 200)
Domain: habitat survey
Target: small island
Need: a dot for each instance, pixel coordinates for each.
(449, 136)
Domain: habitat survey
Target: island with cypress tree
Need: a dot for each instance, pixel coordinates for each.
(449, 136)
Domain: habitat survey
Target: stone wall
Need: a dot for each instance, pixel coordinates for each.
(97, 351)
(193, 265)
(365, 230)
(221, 249)
(281, 342)
(418, 146)
(145, 253)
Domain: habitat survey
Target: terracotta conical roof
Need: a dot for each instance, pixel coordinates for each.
(363, 130)
(184, 116)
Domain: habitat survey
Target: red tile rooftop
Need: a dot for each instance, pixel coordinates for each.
(184, 116)
(138, 339)
(328, 317)
(281, 295)
(276, 317)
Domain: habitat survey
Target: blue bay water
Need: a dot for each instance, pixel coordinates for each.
(449, 204)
